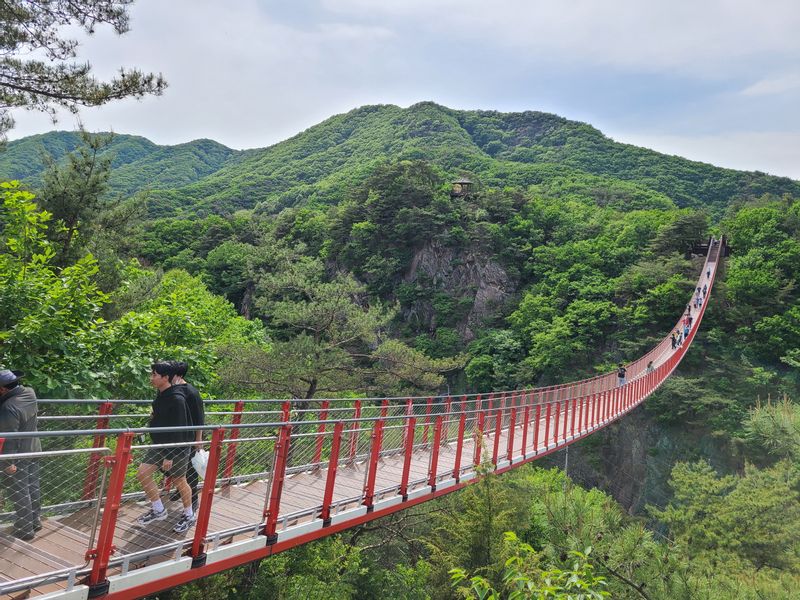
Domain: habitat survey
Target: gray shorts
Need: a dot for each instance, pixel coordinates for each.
(178, 455)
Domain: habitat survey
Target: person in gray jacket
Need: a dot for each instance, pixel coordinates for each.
(20, 476)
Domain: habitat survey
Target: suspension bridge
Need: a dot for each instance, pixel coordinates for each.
(282, 473)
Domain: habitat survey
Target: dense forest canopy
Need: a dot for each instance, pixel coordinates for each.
(340, 263)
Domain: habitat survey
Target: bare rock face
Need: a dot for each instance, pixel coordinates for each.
(466, 276)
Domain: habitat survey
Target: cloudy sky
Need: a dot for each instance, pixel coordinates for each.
(717, 80)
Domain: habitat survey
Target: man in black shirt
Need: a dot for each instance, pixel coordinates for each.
(197, 414)
(169, 410)
(20, 476)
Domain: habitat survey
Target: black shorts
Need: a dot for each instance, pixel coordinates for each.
(178, 455)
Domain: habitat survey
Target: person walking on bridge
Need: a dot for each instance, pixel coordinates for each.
(197, 413)
(621, 373)
(169, 410)
(18, 406)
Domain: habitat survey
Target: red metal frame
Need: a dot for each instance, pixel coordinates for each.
(572, 420)
(512, 425)
(411, 425)
(207, 493)
(90, 481)
(276, 486)
(498, 428)
(476, 459)
(238, 409)
(526, 416)
(437, 441)
(372, 468)
(462, 422)
(105, 535)
(608, 402)
(333, 467)
(555, 424)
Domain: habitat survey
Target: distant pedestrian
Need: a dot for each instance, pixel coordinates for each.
(708, 274)
(621, 372)
(705, 289)
(689, 320)
(674, 340)
(688, 309)
(649, 368)
(685, 332)
(699, 303)
(18, 406)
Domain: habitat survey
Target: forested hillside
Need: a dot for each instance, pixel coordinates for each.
(341, 263)
(138, 164)
(319, 165)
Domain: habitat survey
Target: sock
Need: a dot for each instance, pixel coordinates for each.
(188, 511)
(158, 506)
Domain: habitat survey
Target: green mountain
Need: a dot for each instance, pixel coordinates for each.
(498, 149)
(138, 163)
(322, 164)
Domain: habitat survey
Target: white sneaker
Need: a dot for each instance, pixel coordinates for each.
(150, 516)
(184, 523)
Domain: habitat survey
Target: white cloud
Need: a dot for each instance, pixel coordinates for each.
(773, 86)
(706, 38)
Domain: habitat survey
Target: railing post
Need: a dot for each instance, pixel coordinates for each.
(238, 408)
(536, 428)
(98, 583)
(434, 464)
(498, 431)
(206, 498)
(411, 425)
(276, 485)
(462, 422)
(526, 415)
(333, 465)
(354, 429)
(572, 420)
(566, 418)
(547, 425)
(478, 431)
(372, 467)
(323, 416)
(555, 424)
(90, 482)
(512, 425)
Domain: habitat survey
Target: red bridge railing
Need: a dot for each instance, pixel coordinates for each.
(284, 475)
